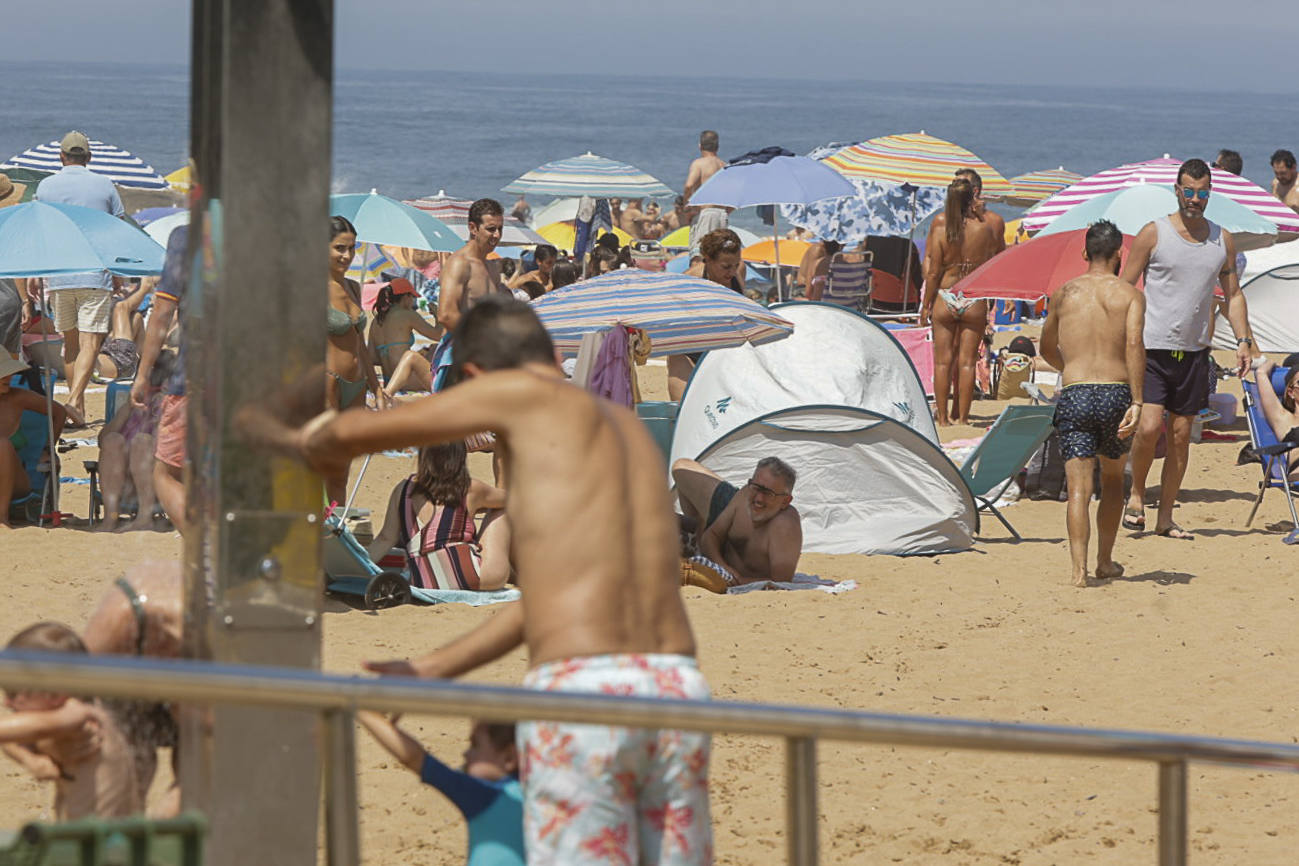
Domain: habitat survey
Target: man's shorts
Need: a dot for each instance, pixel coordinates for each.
(1179, 381)
(88, 310)
(597, 794)
(1087, 417)
(124, 354)
(723, 493)
(170, 445)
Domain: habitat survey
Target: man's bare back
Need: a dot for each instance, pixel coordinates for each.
(1094, 314)
(594, 540)
(701, 169)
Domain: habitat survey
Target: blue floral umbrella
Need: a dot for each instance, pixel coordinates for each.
(877, 208)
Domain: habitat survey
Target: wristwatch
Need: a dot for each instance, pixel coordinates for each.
(1246, 340)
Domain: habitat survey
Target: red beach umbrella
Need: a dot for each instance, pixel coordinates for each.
(1032, 270)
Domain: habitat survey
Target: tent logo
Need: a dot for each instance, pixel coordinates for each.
(723, 404)
(905, 408)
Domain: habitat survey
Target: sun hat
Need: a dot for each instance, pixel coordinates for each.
(10, 193)
(9, 366)
(401, 286)
(75, 143)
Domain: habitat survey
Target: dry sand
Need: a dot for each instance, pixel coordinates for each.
(1198, 638)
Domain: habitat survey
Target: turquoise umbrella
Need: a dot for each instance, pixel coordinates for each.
(1132, 207)
(382, 220)
(43, 239)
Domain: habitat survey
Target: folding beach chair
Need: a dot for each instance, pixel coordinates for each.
(30, 441)
(848, 282)
(1273, 454)
(1004, 450)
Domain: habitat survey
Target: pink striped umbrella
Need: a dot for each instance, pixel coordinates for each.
(1163, 171)
(455, 213)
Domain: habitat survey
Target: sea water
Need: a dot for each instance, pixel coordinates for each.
(409, 134)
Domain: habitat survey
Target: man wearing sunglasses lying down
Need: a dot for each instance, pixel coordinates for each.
(1182, 256)
(752, 530)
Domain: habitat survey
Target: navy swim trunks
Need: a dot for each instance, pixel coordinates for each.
(1178, 381)
(1087, 418)
(723, 493)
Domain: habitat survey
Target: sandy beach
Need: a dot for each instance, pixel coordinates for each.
(1196, 638)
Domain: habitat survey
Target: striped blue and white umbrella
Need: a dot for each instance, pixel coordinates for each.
(680, 313)
(591, 175)
(119, 166)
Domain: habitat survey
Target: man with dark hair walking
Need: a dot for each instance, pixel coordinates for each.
(467, 277)
(1093, 335)
(1183, 257)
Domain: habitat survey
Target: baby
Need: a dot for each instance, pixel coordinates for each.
(72, 741)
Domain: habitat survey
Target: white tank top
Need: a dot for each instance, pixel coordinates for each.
(1179, 288)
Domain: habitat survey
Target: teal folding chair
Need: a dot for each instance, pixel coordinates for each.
(1004, 450)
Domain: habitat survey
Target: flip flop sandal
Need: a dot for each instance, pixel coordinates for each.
(1175, 531)
(1134, 519)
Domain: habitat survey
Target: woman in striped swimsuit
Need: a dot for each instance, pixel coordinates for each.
(431, 518)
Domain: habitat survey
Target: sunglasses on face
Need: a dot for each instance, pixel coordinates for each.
(764, 490)
(1189, 194)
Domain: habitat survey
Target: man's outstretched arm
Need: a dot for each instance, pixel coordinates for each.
(487, 643)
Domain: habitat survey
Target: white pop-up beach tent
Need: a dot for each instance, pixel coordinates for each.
(840, 401)
(1273, 299)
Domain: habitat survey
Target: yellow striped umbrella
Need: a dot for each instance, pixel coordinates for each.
(914, 158)
(1036, 186)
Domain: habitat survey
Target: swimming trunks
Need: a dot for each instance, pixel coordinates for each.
(124, 354)
(1179, 381)
(169, 441)
(723, 493)
(597, 794)
(1087, 418)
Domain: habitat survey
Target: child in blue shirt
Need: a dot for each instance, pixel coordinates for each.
(487, 792)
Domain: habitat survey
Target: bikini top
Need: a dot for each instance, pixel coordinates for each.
(338, 323)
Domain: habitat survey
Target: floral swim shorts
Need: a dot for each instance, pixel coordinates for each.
(598, 794)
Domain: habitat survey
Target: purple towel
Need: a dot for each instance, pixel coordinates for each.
(611, 373)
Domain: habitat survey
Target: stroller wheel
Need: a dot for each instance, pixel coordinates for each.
(386, 589)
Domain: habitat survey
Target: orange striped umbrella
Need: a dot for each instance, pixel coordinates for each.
(915, 158)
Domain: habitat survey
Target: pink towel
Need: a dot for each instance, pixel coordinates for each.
(919, 345)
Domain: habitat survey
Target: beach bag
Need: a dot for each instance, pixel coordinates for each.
(1044, 475)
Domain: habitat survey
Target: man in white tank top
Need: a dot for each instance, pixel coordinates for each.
(1183, 257)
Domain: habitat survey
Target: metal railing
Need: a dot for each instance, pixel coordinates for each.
(337, 698)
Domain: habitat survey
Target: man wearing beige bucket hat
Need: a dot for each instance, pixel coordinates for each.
(10, 193)
(13, 403)
(83, 303)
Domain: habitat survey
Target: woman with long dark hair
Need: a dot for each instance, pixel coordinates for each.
(392, 334)
(349, 372)
(431, 517)
(964, 243)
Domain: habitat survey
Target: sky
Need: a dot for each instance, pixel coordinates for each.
(1148, 43)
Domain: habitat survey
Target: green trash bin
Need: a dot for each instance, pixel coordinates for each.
(108, 842)
(660, 416)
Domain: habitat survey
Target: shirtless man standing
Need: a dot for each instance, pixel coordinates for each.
(468, 277)
(1094, 335)
(707, 164)
(752, 531)
(595, 549)
(1283, 184)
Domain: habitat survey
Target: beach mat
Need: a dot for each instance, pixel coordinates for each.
(356, 586)
(800, 581)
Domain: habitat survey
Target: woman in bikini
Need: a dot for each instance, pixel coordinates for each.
(393, 334)
(349, 371)
(431, 517)
(958, 322)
